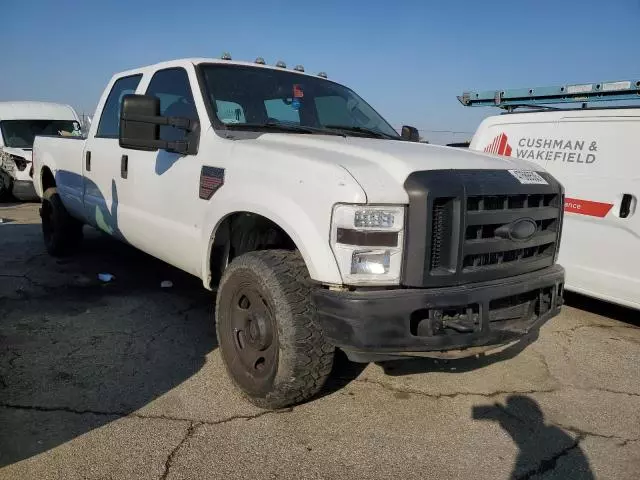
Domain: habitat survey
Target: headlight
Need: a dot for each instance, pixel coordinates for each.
(367, 242)
(21, 163)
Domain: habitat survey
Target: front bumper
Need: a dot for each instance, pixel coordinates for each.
(386, 324)
(24, 190)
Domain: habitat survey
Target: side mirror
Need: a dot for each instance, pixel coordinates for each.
(134, 134)
(140, 122)
(410, 134)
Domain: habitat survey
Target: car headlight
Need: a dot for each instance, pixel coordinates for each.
(21, 163)
(367, 243)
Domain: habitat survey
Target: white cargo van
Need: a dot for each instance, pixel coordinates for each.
(20, 122)
(593, 152)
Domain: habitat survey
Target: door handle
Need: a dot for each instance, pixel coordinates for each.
(124, 166)
(627, 205)
(87, 161)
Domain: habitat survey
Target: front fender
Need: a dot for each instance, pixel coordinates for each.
(308, 227)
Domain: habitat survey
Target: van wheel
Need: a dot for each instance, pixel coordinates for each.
(5, 187)
(271, 347)
(61, 232)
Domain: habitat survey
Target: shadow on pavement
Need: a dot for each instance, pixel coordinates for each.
(414, 365)
(76, 353)
(599, 307)
(343, 373)
(540, 446)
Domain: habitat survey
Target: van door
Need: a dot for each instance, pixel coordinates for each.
(601, 235)
(528, 136)
(101, 162)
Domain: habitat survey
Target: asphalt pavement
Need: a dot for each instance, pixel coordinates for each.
(123, 380)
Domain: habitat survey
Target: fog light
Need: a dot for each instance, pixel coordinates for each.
(374, 262)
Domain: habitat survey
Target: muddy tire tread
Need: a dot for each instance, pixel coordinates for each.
(311, 358)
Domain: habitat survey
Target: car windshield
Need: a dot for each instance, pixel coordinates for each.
(251, 97)
(21, 133)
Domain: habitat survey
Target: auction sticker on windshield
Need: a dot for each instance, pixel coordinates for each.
(528, 177)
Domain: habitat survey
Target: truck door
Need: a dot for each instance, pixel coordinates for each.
(160, 191)
(101, 162)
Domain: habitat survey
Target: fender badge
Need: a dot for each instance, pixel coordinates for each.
(211, 179)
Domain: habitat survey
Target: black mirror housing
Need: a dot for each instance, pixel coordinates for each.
(134, 134)
(410, 134)
(140, 123)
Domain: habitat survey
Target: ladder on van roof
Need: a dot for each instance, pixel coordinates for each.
(542, 96)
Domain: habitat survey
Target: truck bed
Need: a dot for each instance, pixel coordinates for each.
(64, 157)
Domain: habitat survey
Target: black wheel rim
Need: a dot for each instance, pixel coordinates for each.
(252, 335)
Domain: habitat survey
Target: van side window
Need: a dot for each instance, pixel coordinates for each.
(172, 87)
(110, 119)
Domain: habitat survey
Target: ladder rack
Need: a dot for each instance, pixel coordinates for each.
(573, 93)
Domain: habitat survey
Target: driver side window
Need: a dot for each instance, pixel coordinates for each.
(172, 87)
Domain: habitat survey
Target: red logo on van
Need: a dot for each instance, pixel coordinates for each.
(587, 207)
(499, 146)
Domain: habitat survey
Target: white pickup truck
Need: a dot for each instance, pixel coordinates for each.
(316, 223)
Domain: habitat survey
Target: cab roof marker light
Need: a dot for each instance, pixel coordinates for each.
(226, 56)
(322, 74)
(299, 68)
(260, 61)
(281, 64)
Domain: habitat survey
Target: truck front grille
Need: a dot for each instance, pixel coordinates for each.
(480, 225)
(485, 215)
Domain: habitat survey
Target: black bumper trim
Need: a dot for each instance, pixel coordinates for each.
(24, 190)
(379, 321)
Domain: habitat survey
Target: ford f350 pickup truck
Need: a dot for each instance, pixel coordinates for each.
(318, 226)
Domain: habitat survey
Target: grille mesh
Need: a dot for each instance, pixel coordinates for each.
(439, 230)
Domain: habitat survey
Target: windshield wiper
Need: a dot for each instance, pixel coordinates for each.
(283, 127)
(363, 131)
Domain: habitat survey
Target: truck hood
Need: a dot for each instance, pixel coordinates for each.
(382, 166)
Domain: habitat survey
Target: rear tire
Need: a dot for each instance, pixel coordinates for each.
(61, 232)
(271, 346)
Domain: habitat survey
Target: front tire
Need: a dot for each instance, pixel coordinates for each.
(61, 232)
(271, 346)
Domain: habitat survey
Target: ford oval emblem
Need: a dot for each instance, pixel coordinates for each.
(520, 230)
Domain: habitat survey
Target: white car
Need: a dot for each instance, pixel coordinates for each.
(20, 122)
(318, 225)
(593, 152)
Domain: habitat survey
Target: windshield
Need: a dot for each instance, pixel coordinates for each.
(21, 133)
(258, 96)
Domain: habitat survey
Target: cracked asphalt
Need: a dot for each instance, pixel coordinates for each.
(123, 380)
